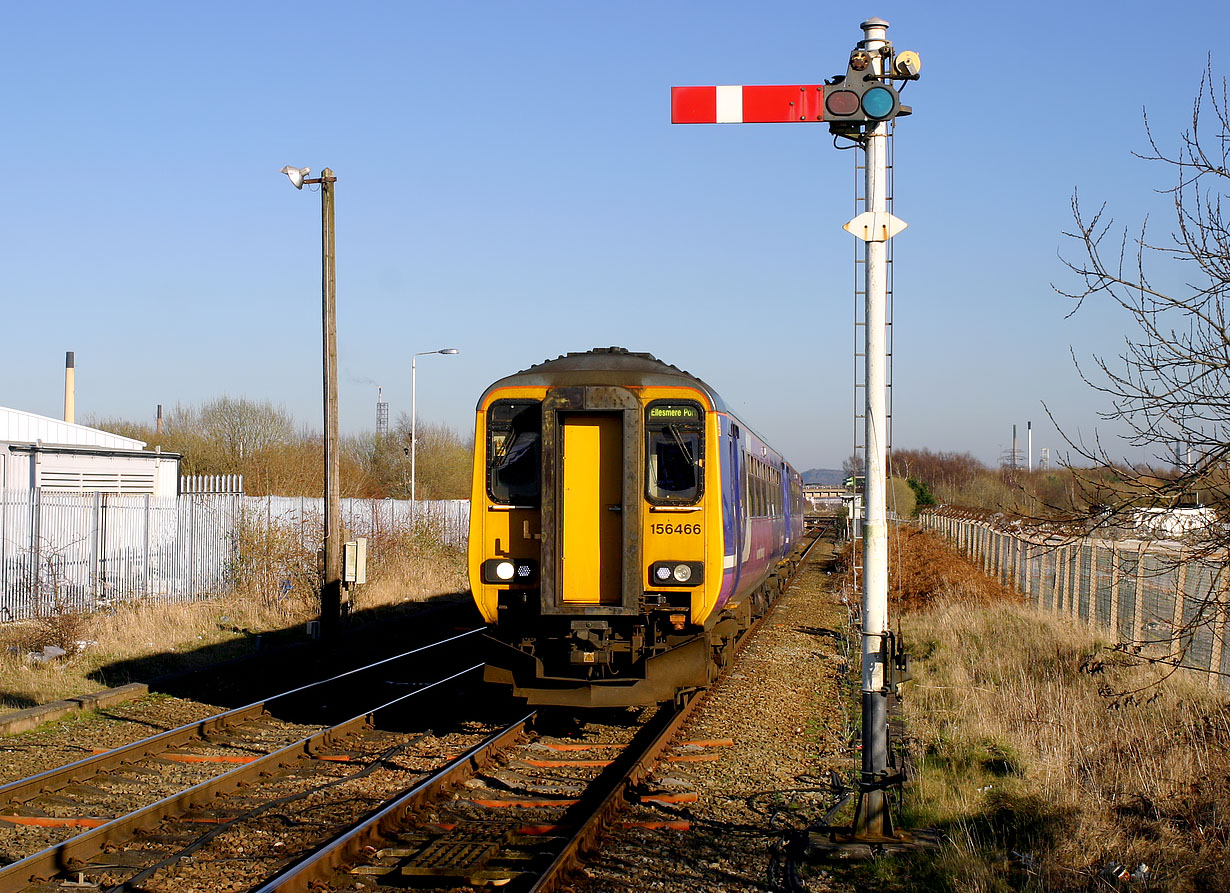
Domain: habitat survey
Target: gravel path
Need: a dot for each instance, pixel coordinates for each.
(783, 708)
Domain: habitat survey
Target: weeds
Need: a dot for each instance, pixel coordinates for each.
(1038, 774)
(273, 586)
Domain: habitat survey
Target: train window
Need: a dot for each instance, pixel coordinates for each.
(747, 486)
(675, 440)
(514, 452)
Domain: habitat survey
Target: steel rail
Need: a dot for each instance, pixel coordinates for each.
(346, 847)
(70, 854)
(596, 807)
(608, 796)
(26, 788)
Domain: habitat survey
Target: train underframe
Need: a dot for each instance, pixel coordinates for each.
(616, 660)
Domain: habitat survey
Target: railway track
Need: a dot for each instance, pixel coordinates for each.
(157, 801)
(244, 800)
(517, 811)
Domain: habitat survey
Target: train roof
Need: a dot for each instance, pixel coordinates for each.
(619, 366)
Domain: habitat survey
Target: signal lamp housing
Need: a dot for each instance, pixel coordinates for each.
(859, 97)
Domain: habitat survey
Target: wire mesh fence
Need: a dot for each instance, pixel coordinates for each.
(1144, 593)
(81, 551)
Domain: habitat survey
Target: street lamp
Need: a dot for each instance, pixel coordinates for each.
(331, 590)
(414, 441)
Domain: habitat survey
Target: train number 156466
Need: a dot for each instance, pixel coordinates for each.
(687, 529)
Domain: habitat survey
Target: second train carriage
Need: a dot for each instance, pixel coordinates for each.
(624, 528)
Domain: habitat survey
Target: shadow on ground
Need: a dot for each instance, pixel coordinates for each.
(256, 666)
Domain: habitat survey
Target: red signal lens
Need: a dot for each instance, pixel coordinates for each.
(841, 102)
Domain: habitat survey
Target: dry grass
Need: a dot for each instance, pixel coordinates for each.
(1044, 756)
(924, 569)
(178, 636)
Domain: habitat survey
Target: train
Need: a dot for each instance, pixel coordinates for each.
(626, 528)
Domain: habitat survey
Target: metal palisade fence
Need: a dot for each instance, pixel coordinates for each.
(1144, 593)
(81, 551)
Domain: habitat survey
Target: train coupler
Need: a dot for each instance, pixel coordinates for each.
(590, 643)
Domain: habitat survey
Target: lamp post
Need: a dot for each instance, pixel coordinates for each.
(414, 440)
(331, 589)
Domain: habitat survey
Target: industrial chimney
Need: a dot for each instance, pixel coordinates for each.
(70, 387)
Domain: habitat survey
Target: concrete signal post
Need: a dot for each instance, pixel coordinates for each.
(858, 106)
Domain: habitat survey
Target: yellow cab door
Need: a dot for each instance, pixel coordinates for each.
(591, 520)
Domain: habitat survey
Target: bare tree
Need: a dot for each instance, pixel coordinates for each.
(1169, 386)
(244, 427)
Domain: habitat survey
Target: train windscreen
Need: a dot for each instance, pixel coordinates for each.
(675, 445)
(514, 452)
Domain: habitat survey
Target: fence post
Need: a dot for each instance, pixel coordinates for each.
(1056, 591)
(1074, 582)
(1176, 620)
(1093, 583)
(1114, 587)
(1014, 553)
(1026, 570)
(1219, 630)
(191, 548)
(4, 534)
(1138, 621)
(146, 560)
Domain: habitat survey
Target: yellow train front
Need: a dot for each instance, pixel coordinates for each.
(625, 528)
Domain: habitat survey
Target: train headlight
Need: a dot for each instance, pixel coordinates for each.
(676, 573)
(518, 571)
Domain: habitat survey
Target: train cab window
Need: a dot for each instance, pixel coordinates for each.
(514, 452)
(675, 440)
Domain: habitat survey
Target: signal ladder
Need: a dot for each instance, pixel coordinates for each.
(860, 341)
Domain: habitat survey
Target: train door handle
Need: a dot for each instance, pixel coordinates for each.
(614, 508)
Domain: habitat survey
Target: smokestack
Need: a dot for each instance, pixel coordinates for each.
(1014, 452)
(70, 388)
(158, 429)
(1029, 437)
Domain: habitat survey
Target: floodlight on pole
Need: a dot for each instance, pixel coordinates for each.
(414, 441)
(296, 175)
(331, 604)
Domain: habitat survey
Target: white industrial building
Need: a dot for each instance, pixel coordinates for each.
(37, 452)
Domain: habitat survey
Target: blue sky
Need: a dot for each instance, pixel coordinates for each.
(510, 185)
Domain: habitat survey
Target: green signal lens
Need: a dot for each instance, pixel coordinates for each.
(841, 102)
(878, 102)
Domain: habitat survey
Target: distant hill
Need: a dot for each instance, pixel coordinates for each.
(827, 476)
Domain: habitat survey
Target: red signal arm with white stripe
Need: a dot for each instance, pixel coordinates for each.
(777, 104)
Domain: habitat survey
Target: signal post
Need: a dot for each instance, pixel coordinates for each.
(857, 106)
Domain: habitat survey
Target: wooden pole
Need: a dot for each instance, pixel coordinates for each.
(331, 590)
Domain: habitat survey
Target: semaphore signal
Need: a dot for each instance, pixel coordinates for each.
(857, 106)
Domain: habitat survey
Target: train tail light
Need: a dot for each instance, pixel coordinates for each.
(676, 573)
(515, 571)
